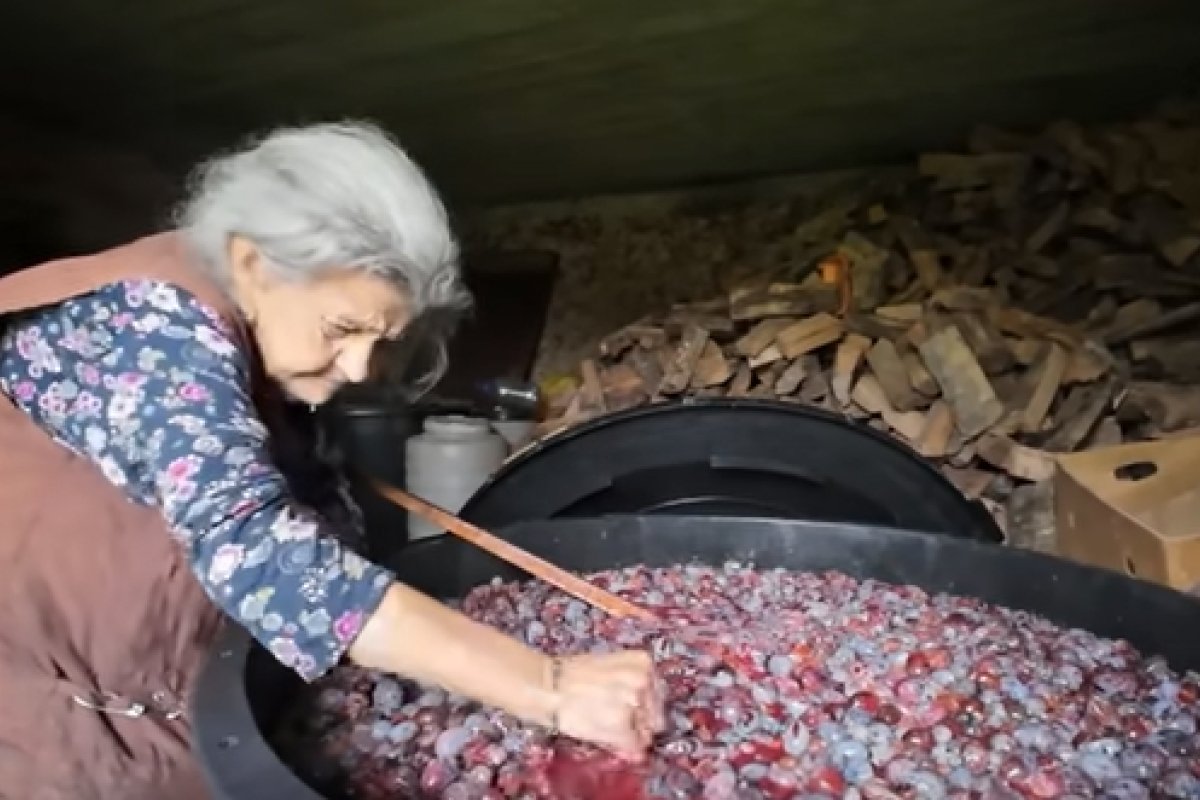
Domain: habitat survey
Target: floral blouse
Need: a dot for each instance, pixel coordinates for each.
(144, 380)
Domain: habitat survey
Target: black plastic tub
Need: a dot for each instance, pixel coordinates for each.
(729, 457)
(243, 690)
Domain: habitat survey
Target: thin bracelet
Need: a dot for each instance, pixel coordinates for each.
(555, 676)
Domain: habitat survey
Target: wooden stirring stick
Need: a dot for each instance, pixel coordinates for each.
(505, 551)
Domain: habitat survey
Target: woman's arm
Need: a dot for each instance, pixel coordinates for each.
(140, 378)
(414, 635)
(144, 380)
(611, 699)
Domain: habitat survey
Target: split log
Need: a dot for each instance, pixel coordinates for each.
(1078, 415)
(990, 348)
(889, 370)
(591, 391)
(761, 336)
(918, 374)
(1019, 461)
(845, 365)
(808, 335)
(869, 395)
(790, 379)
(963, 383)
(1169, 407)
(778, 300)
(938, 431)
(1049, 378)
(678, 373)
(711, 368)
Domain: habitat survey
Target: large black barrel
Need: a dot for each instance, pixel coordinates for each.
(721, 456)
(244, 691)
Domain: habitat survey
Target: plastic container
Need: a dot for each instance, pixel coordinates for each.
(516, 432)
(448, 462)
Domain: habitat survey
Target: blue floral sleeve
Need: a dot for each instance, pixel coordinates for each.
(144, 380)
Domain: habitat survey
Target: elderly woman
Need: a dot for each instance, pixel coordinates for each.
(142, 497)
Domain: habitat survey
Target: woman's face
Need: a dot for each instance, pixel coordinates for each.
(315, 336)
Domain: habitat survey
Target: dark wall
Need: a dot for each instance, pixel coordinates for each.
(63, 195)
(528, 99)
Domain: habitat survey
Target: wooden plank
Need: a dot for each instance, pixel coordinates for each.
(1169, 407)
(1131, 319)
(927, 268)
(1087, 363)
(768, 356)
(963, 298)
(815, 388)
(1175, 358)
(1049, 378)
(639, 333)
(711, 368)
(1078, 414)
(1024, 325)
(1152, 324)
(934, 440)
(1027, 352)
(683, 317)
(678, 373)
(918, 375)
(1050, 228)
(866, 260)
(648, 367)
(761, 336)
(742, 378)
(808, 335)
(990, 348)
(1106, 434)
(621, 380)
(791, 378)
(971, 482)
(845, 364)
(902, 314)
(623, 387)
(889, 370)
(963, 382)
(779, 300)
(767, 377)
(869, 395)
(1030, 515)
(1017, 460)
(591, 390)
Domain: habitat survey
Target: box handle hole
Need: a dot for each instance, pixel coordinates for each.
(1135, 471)
(1130, 567)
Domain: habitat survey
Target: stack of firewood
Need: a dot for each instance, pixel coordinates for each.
(1031, 296)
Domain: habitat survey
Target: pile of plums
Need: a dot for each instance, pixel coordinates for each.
(784, 685)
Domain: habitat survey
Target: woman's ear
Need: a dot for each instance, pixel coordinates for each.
(245, 262)
(247, 274)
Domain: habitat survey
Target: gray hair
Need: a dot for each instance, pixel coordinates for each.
(332, 196)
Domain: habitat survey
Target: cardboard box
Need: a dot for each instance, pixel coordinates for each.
(1133, 508)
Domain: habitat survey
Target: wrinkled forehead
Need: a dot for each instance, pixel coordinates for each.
(364, 298)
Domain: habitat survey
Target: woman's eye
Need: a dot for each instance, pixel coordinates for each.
(336, 330)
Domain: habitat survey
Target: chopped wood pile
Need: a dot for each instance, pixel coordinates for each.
(1029, 296)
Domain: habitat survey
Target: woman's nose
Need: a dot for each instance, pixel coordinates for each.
(354, 361)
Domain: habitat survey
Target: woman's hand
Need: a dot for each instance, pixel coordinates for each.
(610, 699)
